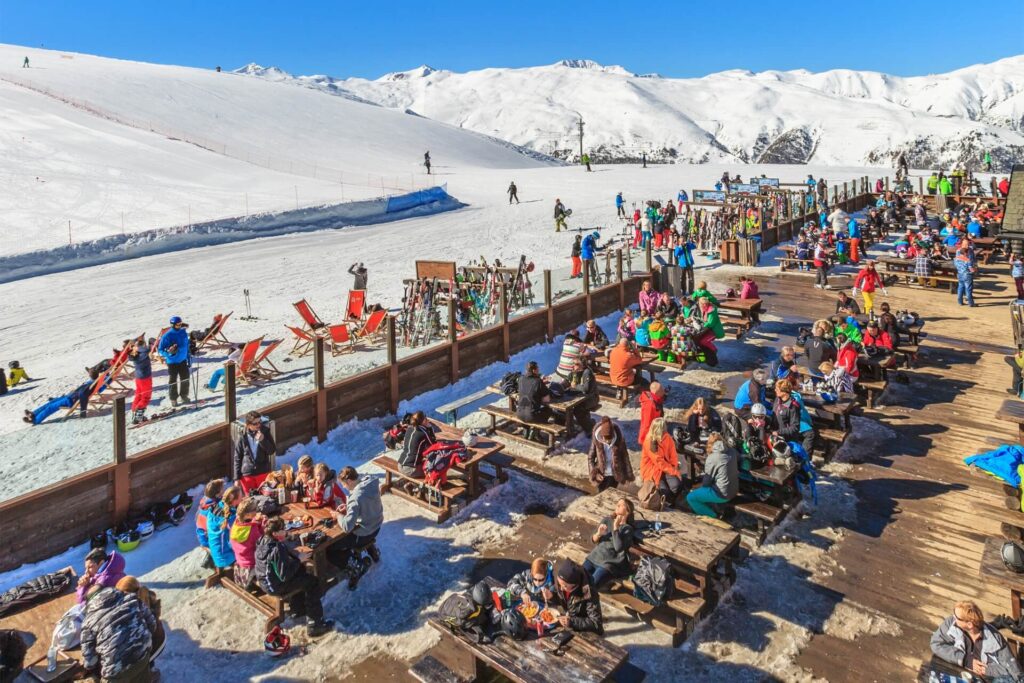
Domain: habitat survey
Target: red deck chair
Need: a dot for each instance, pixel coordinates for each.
(304, 342)
(373, 328)
(309, 317)
(153, 353)
(111, 376)
(356, 308)
(340, 339)
(215, 337)
(262, 363)
(246, 368)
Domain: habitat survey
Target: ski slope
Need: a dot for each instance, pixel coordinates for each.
(76, 145)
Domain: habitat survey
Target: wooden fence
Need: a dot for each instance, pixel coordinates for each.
(47, 521)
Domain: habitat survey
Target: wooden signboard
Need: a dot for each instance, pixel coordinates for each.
(744, 188)
(442, 270)
(708, 196)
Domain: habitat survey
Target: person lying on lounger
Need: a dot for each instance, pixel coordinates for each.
(79, 395)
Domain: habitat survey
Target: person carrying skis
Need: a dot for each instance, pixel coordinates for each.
(620, 208)
(588, 251)
(174, 347)
(359, 273)
(513, 192)
(560, 216)
(426, 161)
(143, 380)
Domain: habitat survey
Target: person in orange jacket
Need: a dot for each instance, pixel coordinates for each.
(623, 361)
(652, 406)
(659, 461)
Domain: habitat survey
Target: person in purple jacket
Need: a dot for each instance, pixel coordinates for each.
(649, 298)
(101, 570)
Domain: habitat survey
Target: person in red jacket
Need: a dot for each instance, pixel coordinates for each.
(868, 280)
(652, 406)
(879, 340)
(847, 356)
(324, 491)
(1004, 186)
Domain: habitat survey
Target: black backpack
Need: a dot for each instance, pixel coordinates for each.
(652, 581)
(510, 383)
(267, 506)
(459, 613)
(12, 655)
(733, 429)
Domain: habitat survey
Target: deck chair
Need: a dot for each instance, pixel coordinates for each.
(356, 307)
(105, 379)
(154, 354)
(215, 336)
(262, 363)
(304, 342)
(373, 328)
(340, 340)
(309, 317)
(246, 368)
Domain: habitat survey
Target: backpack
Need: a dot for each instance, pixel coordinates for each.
(459, 613)
(650, 497)
(439, 457)
(12, 654)
(265, 505)
(510, 383)
(733, 429)
(652, 581)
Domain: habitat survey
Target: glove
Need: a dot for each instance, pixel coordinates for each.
(853, 292)
(885, 292)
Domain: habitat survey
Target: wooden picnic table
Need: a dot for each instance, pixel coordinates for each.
(481, 452)
(1012, 410)
(684, 538)
(561, 406)
(316, 557)
(649, 365)
(588, 657)
(840, 411)
(38, 621)
(747, 308)
(992, 567)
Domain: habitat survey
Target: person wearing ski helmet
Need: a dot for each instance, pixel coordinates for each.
(174, 348)
(588, 254)
(16, 374)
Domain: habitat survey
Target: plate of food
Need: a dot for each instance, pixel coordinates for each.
(548, 615)
(529, 610)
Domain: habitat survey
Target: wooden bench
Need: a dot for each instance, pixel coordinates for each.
(765, 516)
(553, 431)
(831, 440)
(620, 394)
(446, 493)
(736, 328)
(677, 617)
(450, 411)
(429, 670)
(909, 353)
(791, 262)
(872, 390)
(271, 606)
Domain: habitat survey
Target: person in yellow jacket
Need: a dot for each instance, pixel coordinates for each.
(16, 374)
(933, 183)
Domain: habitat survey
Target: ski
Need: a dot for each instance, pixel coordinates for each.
(170, 412)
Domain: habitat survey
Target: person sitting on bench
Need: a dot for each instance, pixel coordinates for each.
(668, 307)
(572, 348)
(361, 520)
(781, 366)
(792, 421)
(750, 393)
(834, 380)
(253, 452)
(594, 336)
(701, 421)
(659, 462)
(101, 570)
(536, 583)
(418, 437)
(279, 572)
(623, 361)
(878, 343)
(648, 298)
(608, 457)
(614, 537)
(721, 478)
(584, 381)
(887, 323)
(819, 348)
(79, 396)
(846, 305)
(323, 491)
(533, 397)
(965, 640)
(117, 636)
(577, 598)
(246, 532)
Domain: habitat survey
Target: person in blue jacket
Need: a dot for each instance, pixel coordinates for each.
(684, 259)
(682, 197)
(750, 392)
(620, 207)
(588, 251)
(219, 519)
(174, 347)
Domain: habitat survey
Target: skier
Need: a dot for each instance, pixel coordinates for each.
(643, 155)
(588, 252)
(620, 207)
(513, 192)
(359, 275)
(24, 65)
(682, 198)
(902, 169)
(174, 347)
(143, 380)
(987, 157)
(811, 182)
(426, 161)
(560, 216)
(574, 255)
(586, 161)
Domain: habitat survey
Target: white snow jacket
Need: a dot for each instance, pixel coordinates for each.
(949, 642)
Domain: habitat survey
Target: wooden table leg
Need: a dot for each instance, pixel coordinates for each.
(1020, 433)
(1015, 604)
(473, 472)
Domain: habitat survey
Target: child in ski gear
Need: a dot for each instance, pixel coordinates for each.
(245, 534)
(577, 597)
(219, 519)
(834, 380)
(253, 452)
(143, 380)
(211, 496)
(279, 572)
(174, 347)
(609, 457)
(748, 288)
(627, 326)
(16, 374)
(614, 537)
(304, 471)
(323, 490)
(721, 478)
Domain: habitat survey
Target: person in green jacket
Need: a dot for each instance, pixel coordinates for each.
(933, 184)
(850, 328)
(586, 160)
(945, 187)
(702, 290)
(711, 329)
(988, 161)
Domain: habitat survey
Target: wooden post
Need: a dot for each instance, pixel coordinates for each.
(548, 294)
(453, 337)
(846, 194)
(321, 394)
(122, 471)
(920, 185)
(648, 257)
(618, 274)
(230, 404)
(586, 286)
(886, 183)
(503, 319)
(393, 363)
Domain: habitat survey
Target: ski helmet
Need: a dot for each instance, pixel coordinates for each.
(481, 594)
(175, 319)
(145, 529)
(127, 541)
(780, 449)
(98, 541)
(14, 365)
(277, 643)
(1013, 556)
(596, 235)
(758, 410)
(513, 624)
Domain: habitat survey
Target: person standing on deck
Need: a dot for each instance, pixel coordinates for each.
(867, 281)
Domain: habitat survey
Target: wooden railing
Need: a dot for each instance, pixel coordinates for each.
(47, 521)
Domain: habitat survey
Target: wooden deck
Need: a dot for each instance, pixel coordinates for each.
(922, 517)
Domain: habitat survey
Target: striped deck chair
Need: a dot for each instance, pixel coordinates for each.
(262, 363)
(304, 342)
(246, 368)
(373, 328)
(215, 336)
(110, 377)
(154, 354)
(309, 317)
(340, 340)
(355, 310)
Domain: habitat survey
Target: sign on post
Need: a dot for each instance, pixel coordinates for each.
(709, 196)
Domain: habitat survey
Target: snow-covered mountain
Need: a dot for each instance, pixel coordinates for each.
(834, 117)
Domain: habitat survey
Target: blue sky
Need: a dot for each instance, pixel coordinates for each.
(678, 38)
